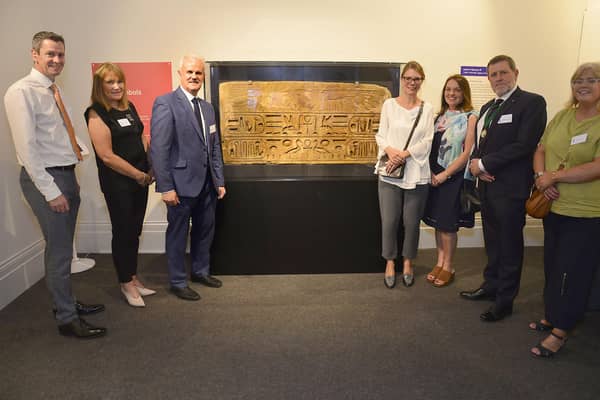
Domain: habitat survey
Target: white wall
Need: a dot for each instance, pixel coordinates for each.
(542, 35)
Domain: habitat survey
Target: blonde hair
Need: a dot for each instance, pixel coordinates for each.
(98, 95)
(594, 67)
(413, 65)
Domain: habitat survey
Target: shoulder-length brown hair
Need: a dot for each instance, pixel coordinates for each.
(594, 67)
(98, 95)
(466, 104)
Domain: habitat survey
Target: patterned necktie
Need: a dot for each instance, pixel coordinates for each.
(195, 101)
(492, 111)
(67, 121)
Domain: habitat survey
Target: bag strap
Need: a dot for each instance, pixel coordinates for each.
(414, 125)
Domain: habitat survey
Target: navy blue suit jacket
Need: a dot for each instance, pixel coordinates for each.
(179, 153)
(507, 149)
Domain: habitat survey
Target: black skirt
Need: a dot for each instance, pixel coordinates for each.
(443, 203)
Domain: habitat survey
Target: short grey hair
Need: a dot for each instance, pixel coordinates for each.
(190, 56)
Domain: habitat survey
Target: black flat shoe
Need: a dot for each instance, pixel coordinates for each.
(494, 314)
(207, 280)
(408, 280)
(389, 281)
(185, 293)
(477, 294)
(86, 309)
(80, 329)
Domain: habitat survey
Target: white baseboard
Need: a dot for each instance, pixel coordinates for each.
(21, 271)
(533, 234)
(95, 238)
(25, 268)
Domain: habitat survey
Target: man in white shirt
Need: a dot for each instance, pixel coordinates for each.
(46, 148)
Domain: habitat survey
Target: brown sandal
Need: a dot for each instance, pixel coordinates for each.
(444, 278)
(432, 276)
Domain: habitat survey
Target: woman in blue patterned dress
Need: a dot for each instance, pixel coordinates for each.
(452, 144)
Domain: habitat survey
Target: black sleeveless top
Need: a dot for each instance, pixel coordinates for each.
(126, 130)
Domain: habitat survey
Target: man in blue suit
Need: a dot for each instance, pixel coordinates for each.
(185, 151)
(508, 131)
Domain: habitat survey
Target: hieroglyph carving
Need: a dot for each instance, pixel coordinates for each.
(290, 122)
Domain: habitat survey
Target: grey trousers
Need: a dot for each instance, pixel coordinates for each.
(58, 230)
(406, 206)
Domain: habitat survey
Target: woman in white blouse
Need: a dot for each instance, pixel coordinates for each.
(402, 200)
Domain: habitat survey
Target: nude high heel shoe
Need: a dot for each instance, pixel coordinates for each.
(145, 291)
(133, 301)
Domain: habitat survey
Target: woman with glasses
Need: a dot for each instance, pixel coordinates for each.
(404, 141)
(452, 143)
(567, 170)
(116, 132)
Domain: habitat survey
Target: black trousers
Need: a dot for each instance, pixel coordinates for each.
(571, 257)
(503, 221)
(126, 209)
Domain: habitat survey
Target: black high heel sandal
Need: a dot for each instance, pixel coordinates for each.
(540, 327)
(546, 352)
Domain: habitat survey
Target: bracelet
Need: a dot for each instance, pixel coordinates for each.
(538, 174)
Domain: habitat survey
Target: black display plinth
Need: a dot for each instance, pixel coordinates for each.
(298, 219)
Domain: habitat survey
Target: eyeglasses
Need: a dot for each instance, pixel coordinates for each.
(408, 79)
(588, 81)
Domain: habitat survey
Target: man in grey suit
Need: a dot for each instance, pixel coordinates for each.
(185, 151)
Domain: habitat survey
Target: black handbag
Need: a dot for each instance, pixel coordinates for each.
(469, 198)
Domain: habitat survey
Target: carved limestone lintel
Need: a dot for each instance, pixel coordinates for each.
(292, 122)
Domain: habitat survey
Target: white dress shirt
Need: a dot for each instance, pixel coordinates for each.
(38, 130)
(191, 97)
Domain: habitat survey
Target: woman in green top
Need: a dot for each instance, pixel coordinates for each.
(567, 169)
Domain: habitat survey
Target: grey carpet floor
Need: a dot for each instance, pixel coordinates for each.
(295, 337)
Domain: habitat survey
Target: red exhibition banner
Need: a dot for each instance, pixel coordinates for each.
(145, 82)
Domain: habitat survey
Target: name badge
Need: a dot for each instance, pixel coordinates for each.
(579, 138)
(124, 122)
(213, 128)
(505, 119)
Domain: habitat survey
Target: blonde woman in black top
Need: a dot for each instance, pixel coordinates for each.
(116, 132)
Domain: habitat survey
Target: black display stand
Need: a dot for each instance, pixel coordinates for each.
(298, 223)
(290, 219)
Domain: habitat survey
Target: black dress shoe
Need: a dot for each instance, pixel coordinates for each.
(477, 294)
(494, 314)
(86, 309)
(207, 280)
(185, 293)
(79, 328)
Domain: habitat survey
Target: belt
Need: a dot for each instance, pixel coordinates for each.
(61, 168)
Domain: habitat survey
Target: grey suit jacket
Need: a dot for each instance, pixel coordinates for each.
(179, 154)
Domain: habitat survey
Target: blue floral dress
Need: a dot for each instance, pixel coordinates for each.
(443, 203)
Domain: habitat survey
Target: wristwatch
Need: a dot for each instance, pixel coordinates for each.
(538, 174)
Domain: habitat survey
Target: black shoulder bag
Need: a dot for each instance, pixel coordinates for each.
(398, 172)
